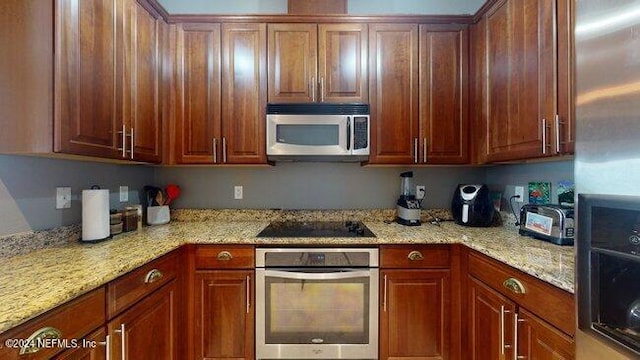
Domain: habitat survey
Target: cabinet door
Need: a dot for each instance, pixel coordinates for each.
(393, 89)
(490, 315)
(224, 314)
(198, 124)
(521, 80)
(141, 87)
(293, 61)
(539, 340)
(92, 347)
(415, 314)
(86, 119)
(148, 329)
(342, 63)
(443, 95)
(244, 93)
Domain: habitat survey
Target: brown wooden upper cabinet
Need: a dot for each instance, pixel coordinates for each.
(97, 84)
(222, 87)
(317, 63)
(444, 130)
(393, 76)
(527, 45)
(107, 80)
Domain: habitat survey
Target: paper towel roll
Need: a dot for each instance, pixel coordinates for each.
(95, 215)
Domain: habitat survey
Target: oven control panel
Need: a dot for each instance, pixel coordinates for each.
(316, 258)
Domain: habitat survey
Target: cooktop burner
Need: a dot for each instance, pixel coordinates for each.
(316, 229)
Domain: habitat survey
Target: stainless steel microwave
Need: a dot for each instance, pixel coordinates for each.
(318, 132)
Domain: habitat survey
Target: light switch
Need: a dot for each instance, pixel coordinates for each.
(124, 193)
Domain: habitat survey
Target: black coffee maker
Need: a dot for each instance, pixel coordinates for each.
(472, 206)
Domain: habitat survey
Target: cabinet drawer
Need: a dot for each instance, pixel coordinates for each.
(128, 289)
(546, 301)
(225, 257)
(414, 256)
(72, 320)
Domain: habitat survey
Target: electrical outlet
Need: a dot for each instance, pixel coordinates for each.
(124, 193)
(519, 190)
(237, 192)
(420, 192)
(63, 197)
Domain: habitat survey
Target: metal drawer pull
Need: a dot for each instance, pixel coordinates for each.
(153, 276)
(514, 285)
(224, 256)
(37, 338)
(502, 311)
(415, 256)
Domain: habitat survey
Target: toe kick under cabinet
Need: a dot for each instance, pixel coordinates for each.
(511, 315)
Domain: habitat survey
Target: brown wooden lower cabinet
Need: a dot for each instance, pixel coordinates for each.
(490, 337)
(93, 348)
(149, 329)
(224, 314)
(414, 314)
(539, 340)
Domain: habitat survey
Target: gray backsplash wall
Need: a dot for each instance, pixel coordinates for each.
(311, 185)
(504, 178)
(28, 188)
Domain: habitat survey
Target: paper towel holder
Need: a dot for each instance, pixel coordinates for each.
(95, 215)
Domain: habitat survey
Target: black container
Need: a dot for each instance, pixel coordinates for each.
(472, 206)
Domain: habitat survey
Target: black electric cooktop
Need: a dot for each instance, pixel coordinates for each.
(316, 229)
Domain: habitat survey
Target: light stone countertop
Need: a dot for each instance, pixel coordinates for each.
(33, 283)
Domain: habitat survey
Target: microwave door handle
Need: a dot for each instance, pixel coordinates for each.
(317, 276)
(349, 134)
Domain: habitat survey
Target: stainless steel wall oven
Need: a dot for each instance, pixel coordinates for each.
(609, 269)
(316, 303)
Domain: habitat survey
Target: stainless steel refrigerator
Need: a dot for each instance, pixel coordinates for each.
(607, 105)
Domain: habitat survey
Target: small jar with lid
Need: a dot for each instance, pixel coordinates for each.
(130, 219)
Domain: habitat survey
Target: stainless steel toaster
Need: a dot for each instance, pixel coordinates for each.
(553, 223)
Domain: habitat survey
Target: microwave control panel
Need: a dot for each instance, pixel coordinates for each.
(360, 132)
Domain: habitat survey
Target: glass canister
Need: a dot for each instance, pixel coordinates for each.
(130, 219)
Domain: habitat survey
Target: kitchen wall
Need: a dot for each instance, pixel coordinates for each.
(311, 185)
(504, 178)
(354, 7)
(28, 188)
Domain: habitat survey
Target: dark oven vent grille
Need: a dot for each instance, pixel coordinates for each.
(318, 109)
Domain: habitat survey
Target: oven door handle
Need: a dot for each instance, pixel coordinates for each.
(317, 276)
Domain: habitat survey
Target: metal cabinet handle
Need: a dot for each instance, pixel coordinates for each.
(415, 256)
(124, 141)
(107, 346)
(322, 89)
(514, 285)
(224, 256)
(132, 143)
(545, 127)
(224, 150)
(503, 344)
(313, 88)
(515, 337)
(248, 293)
(424, 151)
(123, 346)
(215, 150)
(153, 276)
(384, 295)
(415, 150)
(556, 123)
(32, 344)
